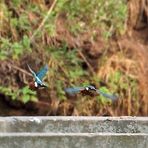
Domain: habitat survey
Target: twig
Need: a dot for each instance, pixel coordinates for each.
(43, 21)
(20, 69)
(88, 64)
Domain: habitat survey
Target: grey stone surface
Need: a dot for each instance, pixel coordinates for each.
(74, 124)
(73, 132)
(85, 140)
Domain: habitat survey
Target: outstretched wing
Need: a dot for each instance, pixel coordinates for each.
(74, 90)
(33, 73)
(109, 96)
(42, 72)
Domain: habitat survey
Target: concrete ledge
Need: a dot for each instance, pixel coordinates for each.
(74, 124)
(73, 132)
(86, 140)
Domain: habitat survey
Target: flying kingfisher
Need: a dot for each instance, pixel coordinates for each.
(38, 83)
(88, 90)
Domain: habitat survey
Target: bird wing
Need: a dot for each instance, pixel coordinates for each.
(42, 72)
(109, 96)
(33, 73)
(74, 90)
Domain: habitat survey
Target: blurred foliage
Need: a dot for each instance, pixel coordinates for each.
(24, 94)
(14, 49)
(120, 82)
(101, 98)
(65, 68)
(107, 15)
(20, 20)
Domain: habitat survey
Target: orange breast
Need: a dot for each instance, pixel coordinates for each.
(32, 86)
(88, 93)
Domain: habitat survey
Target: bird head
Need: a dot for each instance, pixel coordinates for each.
(90, 88)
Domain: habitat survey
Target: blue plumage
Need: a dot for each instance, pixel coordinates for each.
(109, 96)
(42, 72)
(89, 90)
(73, 90)
(39, 76)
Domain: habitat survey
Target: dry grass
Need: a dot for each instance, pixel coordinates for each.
(120, 66)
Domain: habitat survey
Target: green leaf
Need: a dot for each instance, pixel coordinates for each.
(26, 98)
(26, 43)
(34, 99)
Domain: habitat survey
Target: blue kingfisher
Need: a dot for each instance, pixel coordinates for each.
(38, 83)
(88, 90)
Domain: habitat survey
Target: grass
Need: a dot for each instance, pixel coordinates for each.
(66, 68)
(24, 94)
(117, 73)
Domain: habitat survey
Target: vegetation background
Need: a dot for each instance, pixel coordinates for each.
(83, 42)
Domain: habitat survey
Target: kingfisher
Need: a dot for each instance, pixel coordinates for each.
(88, 90)
(38, 83)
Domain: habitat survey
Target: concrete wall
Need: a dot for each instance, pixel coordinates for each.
(73, 132)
